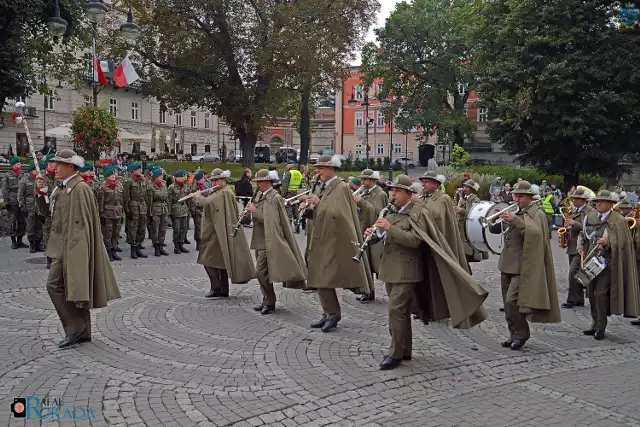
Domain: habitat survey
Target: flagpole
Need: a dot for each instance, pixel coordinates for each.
(94, 87)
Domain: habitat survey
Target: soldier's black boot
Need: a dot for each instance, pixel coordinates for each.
(115, 255)
(182, 249)
(40, 245)
(14, 242)
(198, 245)
(117, 249)
(139, 252)
(49, 263)
(32, 247)
(156, 249)
(162, 251)
(21, 244)
(110, 253)
(186, 241)
(134, 253)
(176, 248)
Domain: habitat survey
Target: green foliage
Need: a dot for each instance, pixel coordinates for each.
(422, 58)
(94, 129)
(564, 81)
(459, 157)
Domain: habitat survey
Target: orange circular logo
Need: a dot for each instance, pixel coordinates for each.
(18, 408)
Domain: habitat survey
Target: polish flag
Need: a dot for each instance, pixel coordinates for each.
(124, 73)
(98, 74)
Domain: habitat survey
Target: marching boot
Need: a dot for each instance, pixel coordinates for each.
(186, 241)
(134, 254)
(32, 247)
(110, 253)
(20, 243)
(40, 245)
(115, 255)
(182, 249)
(117, 249)
(139, 252)
(176, 248)
(49, 262)
(14, 242)
(141, 247)
(156, 249)
(162, 251)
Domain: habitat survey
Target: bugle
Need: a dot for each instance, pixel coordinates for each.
(494, 219)
(243, 215)
(205, 191)
(365, 242)
(290, 200)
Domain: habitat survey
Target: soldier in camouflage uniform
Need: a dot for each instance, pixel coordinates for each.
(148, 180)
(88, 174)
(195, 208)
(179, 211)
(49, 173)
(157, 205)
(27, 203)
(10, 192)
(135, 208)
(111, 211)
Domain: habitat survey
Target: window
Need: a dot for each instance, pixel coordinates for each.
(462, 88)
(194, 149)
(380, 119)
(380, 149)
(49, 102)
(358, 149)
(397, 148)
(134, 111)
(194, 119)
(206, 120)
(483, 114)
(359, 119)
(359, 92)
(50, 145)
(113, 107)
(179, 119)
(163, 117)
(207, 147)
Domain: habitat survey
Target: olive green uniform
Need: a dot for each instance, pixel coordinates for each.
(179, 211)
(135, 207)
(10, 192)
(158, 207)
(111, 213)
(195, 209)
(27, 203)
(46, 229)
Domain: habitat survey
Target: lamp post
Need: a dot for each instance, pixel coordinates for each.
(57, 27)
(389, 113)
(352, 102)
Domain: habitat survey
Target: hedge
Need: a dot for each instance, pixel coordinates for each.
(511, 175)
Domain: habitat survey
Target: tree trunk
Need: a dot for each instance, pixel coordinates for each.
(570, 178)
(305, 125)
(248, 147)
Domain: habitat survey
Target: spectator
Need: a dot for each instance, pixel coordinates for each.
(496, 186)
(496, 197)
(556, 193)
(506, 193)
(245, 189)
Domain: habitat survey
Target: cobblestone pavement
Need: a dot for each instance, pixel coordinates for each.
(163, 355)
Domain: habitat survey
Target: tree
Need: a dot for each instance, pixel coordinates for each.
(93, 130)
(564, 82)
(29, 54)
(423, 58)
(242, 59)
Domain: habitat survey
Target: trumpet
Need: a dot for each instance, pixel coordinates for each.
(297, 222)
(365, 242)
(359, 191)
(292, 200)
(243, 215)
(495, 219)
(205, 191)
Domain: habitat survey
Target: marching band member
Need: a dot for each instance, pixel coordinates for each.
(331, 244)
(278, 257)
(464, 206)
(196, 208)
(135, 208)
(224, 257)
(111, 211)
(440, 207)
(579, 198)
(370, 204)
(81, 277)
(526, 268)
(158, 211)
(418, 263)
(615, 289)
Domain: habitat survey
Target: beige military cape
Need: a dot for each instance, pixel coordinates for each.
(284, 260)
(440, 207)
(371, 205)
(448, 290)
(537, 296)
(217, 248)
(624, 293)
(331, 245)
(88, 274)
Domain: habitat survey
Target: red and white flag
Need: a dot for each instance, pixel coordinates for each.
(124, 73)
(98, 74)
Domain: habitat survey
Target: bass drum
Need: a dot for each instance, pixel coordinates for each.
(479, 237)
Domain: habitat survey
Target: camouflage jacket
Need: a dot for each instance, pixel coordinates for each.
(176, 208)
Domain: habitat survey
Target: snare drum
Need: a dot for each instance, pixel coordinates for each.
(591, 270)
(479, 237)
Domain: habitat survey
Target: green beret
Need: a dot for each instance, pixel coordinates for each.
(49, 157)
(43, 165)
(199, 175)
(133, 166)
(150, 166)
(108, 171)
(355, 181)
(30, 167)
(179, 173)
(14, 160)
(156, 172)
(86, 168)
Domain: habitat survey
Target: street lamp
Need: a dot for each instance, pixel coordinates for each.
(365, 101)
(129, 30)
(57, 26)
(96, 11)
(386, 105)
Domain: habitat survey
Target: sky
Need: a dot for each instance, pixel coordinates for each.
(386, 7)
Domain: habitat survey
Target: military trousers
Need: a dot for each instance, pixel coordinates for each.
(180, 229)
(516, 321)
(126, 230)
(158, 229)
(598, 291)
(137, 229)
(330, 304)
(111, 231)
(34, 226)
(262, 271)
(576, 290)
(18, 221)
(197, 222)
(219, 279)
(73, 319)
(399, 308)
(292, 210)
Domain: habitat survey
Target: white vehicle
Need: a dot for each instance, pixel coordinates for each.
(409, 162)
(313, 159)
(205, 157)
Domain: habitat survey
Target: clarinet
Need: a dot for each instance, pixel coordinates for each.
(298, 220)
(365, 243)
(243, 214)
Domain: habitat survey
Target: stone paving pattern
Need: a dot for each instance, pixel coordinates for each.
(163, 355)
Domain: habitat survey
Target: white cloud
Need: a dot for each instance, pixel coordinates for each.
(386, 7)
